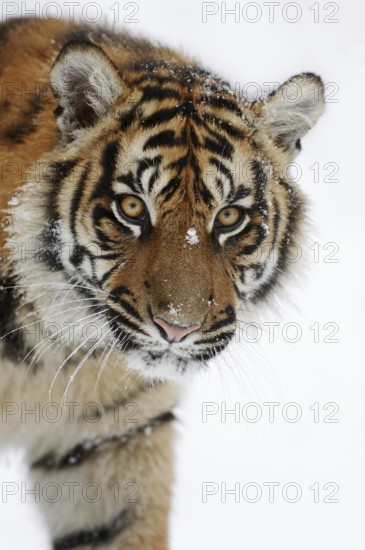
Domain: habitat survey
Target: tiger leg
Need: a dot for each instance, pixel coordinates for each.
(115, 498)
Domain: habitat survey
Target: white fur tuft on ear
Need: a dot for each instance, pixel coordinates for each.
(86, 84)
(291, 110)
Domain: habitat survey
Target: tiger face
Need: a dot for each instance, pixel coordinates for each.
(169, 202)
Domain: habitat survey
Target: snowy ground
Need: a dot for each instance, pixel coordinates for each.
(316, 381)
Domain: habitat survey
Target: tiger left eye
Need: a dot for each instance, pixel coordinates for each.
(229, 217)
(132, 208)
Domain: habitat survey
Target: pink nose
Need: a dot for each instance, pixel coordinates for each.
(174, 333)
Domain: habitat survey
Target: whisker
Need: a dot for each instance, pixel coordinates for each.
(56, 291)
(65, 361)
(63, 337)
(105, 361)
(60, 304)
(66, 287)
(82, 362)
(45, 319)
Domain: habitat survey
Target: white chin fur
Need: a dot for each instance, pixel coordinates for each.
(165, 368)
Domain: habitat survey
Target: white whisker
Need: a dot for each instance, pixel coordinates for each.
(65, 361)
(82, 362)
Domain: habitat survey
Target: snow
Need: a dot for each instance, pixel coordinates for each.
(17, 508)
(14, 201)
(148, 431)
(192, 236)
(175, 310)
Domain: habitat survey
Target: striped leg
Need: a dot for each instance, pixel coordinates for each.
(116, 496)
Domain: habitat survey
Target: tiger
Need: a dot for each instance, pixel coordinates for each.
(145, 207)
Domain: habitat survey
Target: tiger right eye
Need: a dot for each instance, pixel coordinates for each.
(132, 208)
(229, 218)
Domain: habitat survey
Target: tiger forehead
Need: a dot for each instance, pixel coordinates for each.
(188, 143)
(184, 97)
(186, 75)
(202, 176)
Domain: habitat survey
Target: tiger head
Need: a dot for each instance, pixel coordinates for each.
(170, 199)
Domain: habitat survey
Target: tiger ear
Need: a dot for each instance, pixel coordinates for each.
(86, 84)
(291, 110)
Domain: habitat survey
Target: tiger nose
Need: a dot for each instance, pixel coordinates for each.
(174, 333)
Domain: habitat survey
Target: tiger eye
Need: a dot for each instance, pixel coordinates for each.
(132, 207)
(230, 216)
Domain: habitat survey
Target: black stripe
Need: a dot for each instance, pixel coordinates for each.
(99, 535)
(222, 147)
(108, 274)
(223, 168)
(155, 92)
(51, 249)
(216, 326)
(108, 256)
(161, 80)
(230, 318)
(221, 102)
(127, 340)
(170, 188)
(77, 197)
(259, 270)
(126, 119)
(206, 195)
(239, 293)
(101, 213)
(260, 187)
(261, 233)
(129, 179)
(199, 186)
(154, 177)
(10, 25)
(250, 230)
(19, 131)
(87, 449)
(164, 115)
(195, 142)
(241, 270)
(220, 186)
(144, 164)
(221, 339)
(296, 210)
(60, 170)
(14, 345)
(166, 138)
(276, 216)
(104, 239)
(130, 324)
(128, 308)
(108, 163)
(241, 192)
(231, 130)
(179, 164)
(119, 290)
(79, 254)
(216, 135)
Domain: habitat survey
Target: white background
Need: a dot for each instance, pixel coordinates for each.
(304, 452)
